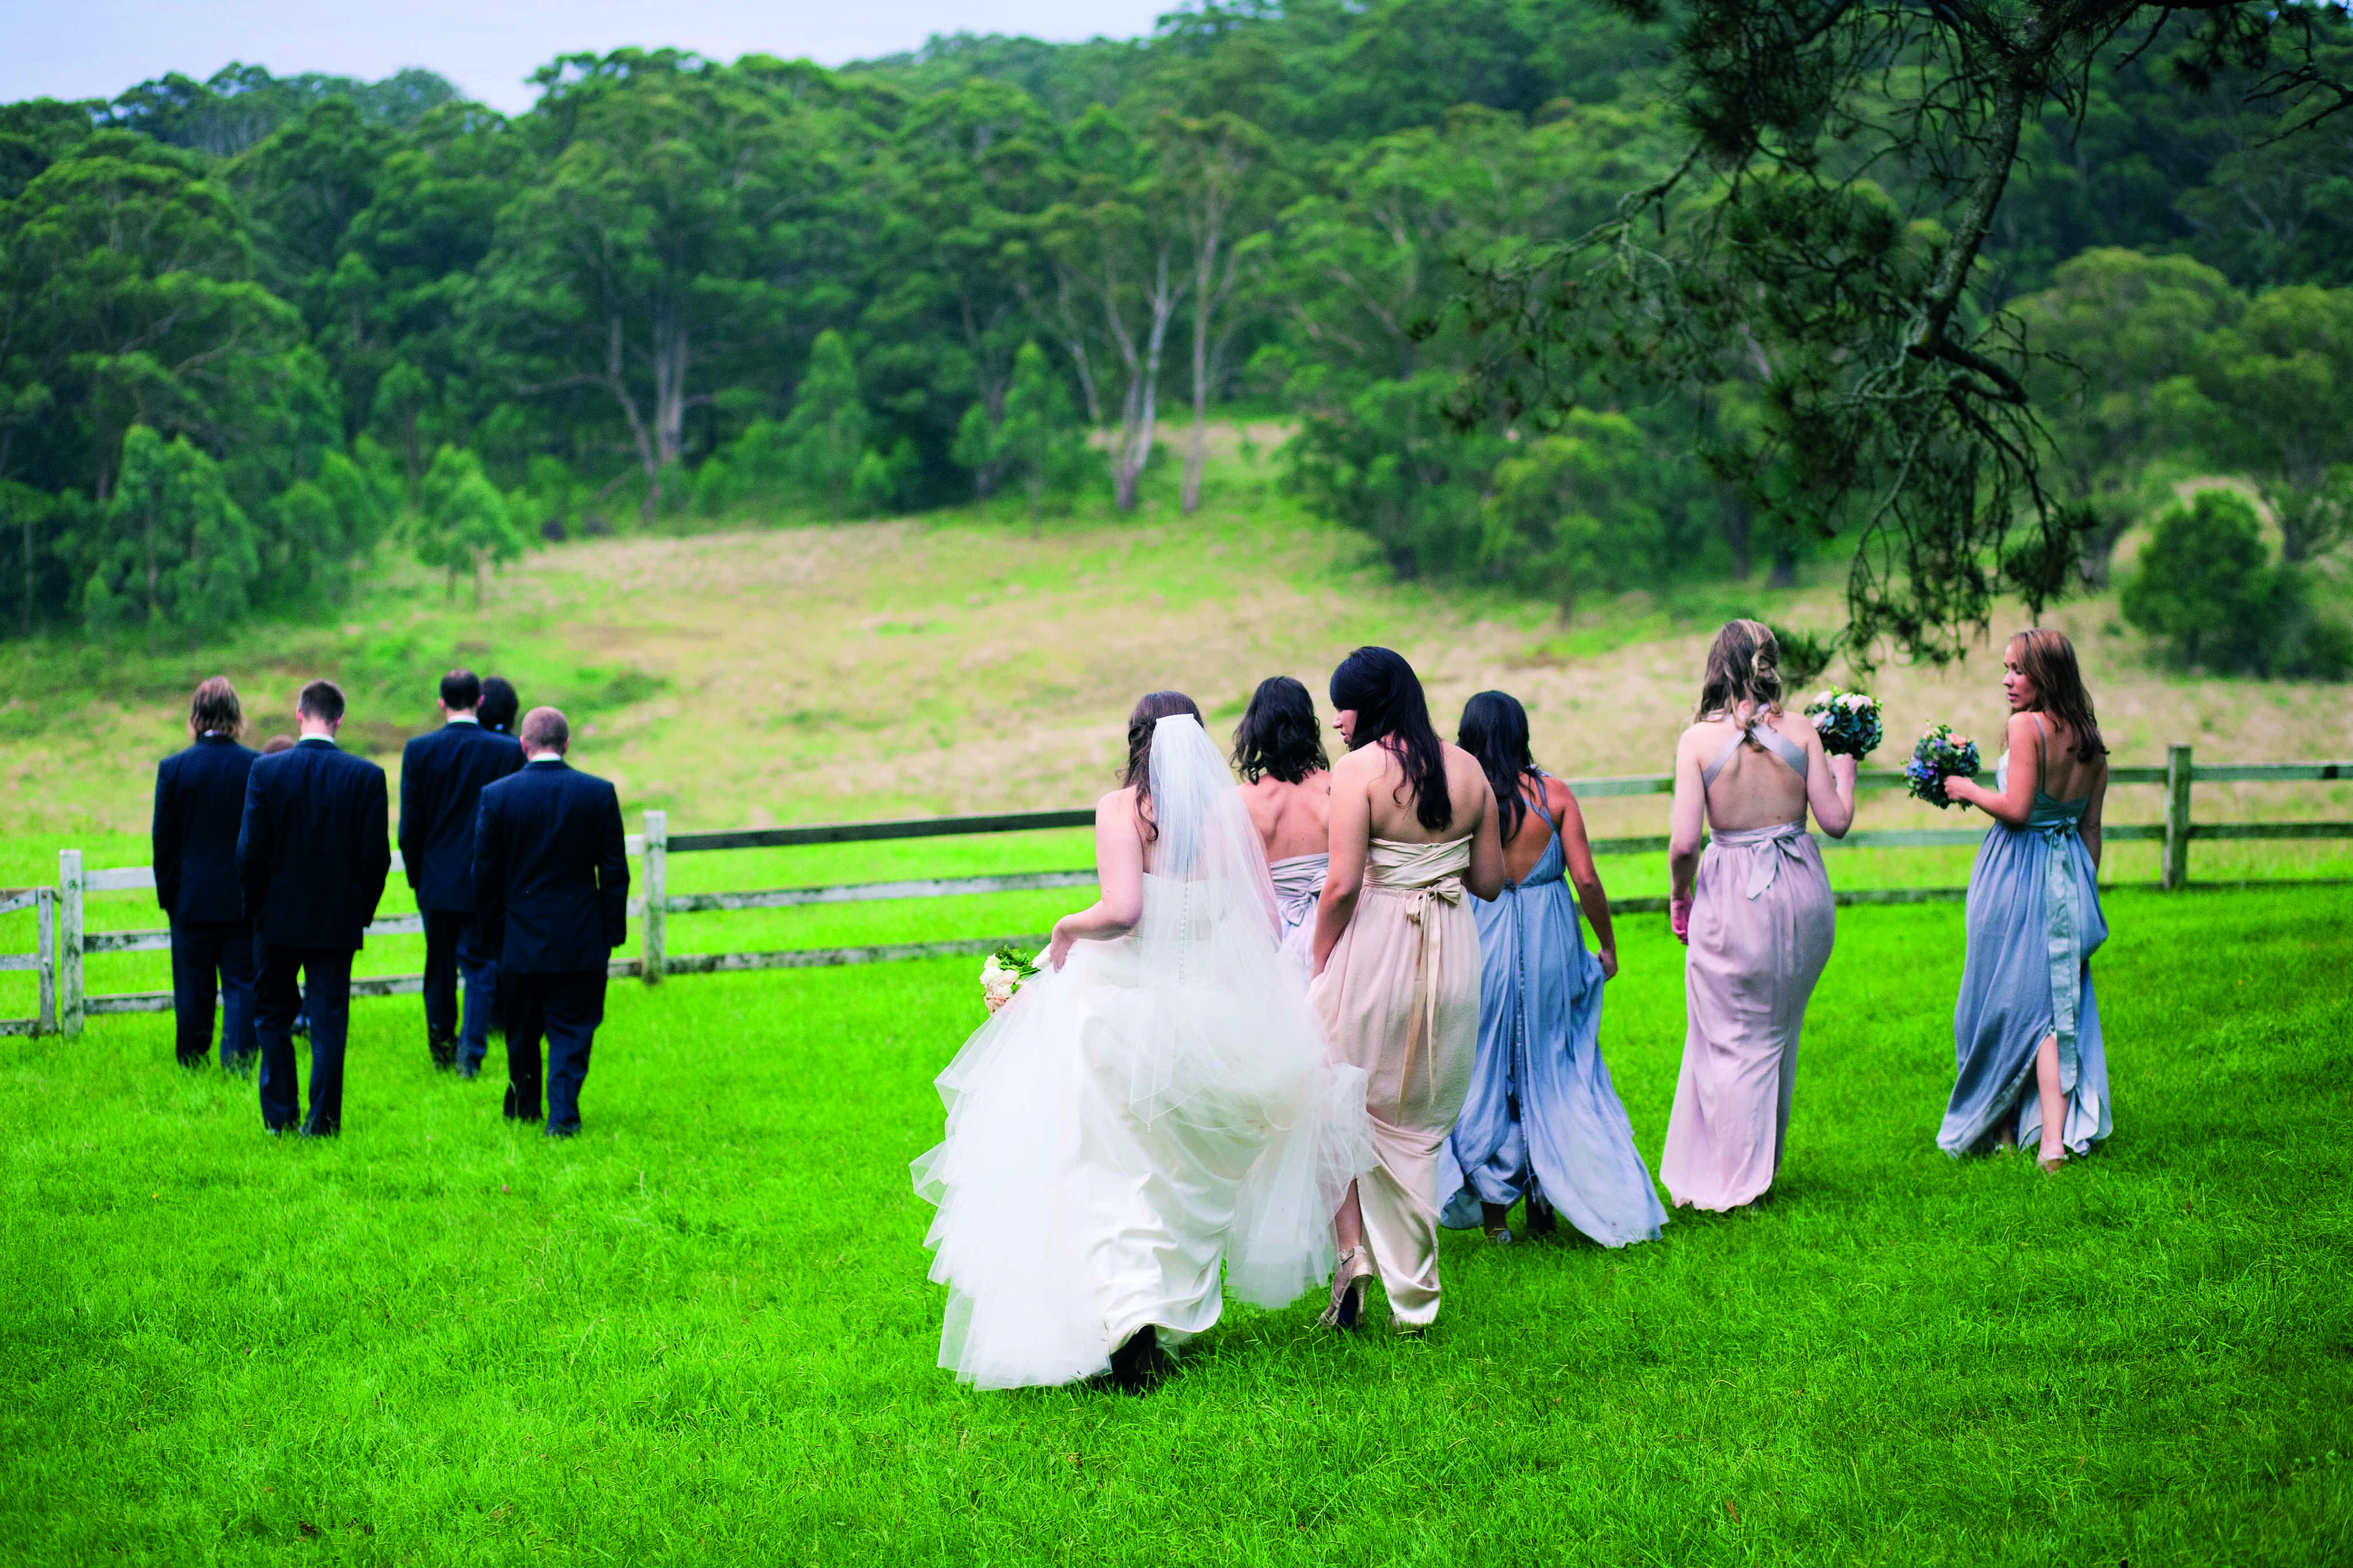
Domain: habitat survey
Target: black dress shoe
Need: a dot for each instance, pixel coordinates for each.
(1542, 1219)
(1132, 1364)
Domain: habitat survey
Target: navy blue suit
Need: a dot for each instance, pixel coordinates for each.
(312, 853)
(200, 801)
(441, 779)
(552, 898)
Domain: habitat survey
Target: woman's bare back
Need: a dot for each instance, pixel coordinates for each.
(1291, 819)
(1395, 809)
(1756, 787)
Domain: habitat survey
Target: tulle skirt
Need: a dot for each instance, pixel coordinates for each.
(1113, 1138)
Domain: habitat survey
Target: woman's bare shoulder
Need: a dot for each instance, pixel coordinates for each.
(1119, 802)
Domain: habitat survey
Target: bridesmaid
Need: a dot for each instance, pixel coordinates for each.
(1543, 1120)
(1287, 785)
(1755, 909)
(1396, 966)
(2026, 1012)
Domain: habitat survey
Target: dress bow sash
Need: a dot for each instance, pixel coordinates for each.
(1424, 877)
(1766, 848)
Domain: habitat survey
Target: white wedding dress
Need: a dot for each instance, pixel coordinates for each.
(1161, 1105)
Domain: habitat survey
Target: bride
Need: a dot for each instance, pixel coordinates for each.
(1155, 1102)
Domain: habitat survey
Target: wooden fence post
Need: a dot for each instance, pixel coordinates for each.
(47, 957)
(653, 951)
(2178, 774)
(69, 953)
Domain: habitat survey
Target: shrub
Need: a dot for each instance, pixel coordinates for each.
(2207, 584)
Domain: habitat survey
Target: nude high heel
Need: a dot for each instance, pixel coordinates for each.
(1347, 1306)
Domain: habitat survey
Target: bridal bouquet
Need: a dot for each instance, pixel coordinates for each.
(1940, 755)
(1848, 723)
(1002, 974)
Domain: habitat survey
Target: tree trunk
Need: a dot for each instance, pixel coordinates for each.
(646, 456)
(1139, 411)
(481, 575)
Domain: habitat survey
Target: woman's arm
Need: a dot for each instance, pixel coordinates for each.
(1487, 873)
(1350, 834)
(2090, 826)
(1830, 786)
(1119, 873)
(2014, 806)
(1687, 821)
(1577, 850)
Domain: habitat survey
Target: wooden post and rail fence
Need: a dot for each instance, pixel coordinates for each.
(62, 943)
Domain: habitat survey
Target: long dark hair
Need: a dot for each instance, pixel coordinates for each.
(499, 704)
(1277, 736)
(1150, 708)
(1391, 711)
(1744, 662)
(2048, 659)
(1495, 730)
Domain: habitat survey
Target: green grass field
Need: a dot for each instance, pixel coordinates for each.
(702, 1332)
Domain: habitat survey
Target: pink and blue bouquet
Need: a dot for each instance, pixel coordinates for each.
(1848, 723)
(1940, 755)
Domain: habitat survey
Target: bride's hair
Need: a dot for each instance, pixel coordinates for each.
(1149, 709)
(1277, 736)
(1495, 730)
(1391, 710)
(1744, 664)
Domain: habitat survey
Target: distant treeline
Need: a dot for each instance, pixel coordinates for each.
(252, 328)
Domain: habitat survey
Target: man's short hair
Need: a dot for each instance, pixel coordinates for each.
(544, 729)
(461, 692)
(322, 700)
(214, 707)
(277, 743)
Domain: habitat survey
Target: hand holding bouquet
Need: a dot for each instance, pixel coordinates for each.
(1848, 723)
(1940, 755)
(1002, 973)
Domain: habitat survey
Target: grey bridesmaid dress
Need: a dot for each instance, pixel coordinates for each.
(2034, 921)
(1543, 1120)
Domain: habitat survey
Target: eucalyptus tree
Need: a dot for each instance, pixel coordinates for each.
(1845, 165)
(638, 263)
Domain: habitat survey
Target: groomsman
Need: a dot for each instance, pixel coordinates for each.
(552, 896)
(441, 779)
(314, 853)
(199, 798)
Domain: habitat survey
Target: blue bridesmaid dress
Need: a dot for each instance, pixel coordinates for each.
(1543, 1120)
(2034, 921)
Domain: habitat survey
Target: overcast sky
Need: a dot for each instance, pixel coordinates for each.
(95, 48)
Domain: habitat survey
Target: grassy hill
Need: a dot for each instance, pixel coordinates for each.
(961, 662)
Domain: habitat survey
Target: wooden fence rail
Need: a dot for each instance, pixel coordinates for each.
(63, 945)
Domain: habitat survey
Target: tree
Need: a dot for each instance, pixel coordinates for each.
(1576, 511)
(825, 438)
(2206, 583)
(2272, 394)
(169, 550)
(2110, 336)
(1899, 419)
(1213, 165)
(462, 522)
(1038, 440)
(640, 263)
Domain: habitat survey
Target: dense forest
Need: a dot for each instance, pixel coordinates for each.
(254, 330)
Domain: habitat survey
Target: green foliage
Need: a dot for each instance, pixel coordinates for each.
(824, 441)
(1576, 511)
(2205, 583)
(169, 550)
(462, 522)
(1037, 443)
(2272, 394)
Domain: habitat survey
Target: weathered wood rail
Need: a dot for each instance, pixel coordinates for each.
(62, 942)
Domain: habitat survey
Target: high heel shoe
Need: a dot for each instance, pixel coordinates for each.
(2050, 1165)
(1347, 1306)
(1132, 1364)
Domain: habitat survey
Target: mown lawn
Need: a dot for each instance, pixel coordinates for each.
(702, 1332)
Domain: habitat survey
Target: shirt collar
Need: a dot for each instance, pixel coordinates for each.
(545, 757)
(316, 741)
(463, 718)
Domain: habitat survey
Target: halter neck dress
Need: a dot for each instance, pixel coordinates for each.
(2034, 921)
(1543, 1120)
(1762, 923)
(1399, 998)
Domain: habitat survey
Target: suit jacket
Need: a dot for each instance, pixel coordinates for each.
(551, 871)
(441, 779)
(314, 848)
(200, 801)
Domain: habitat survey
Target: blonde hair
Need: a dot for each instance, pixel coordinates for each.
(1743, 663)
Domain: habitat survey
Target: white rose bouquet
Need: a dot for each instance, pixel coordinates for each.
(1002, 973)
(1848, 723)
